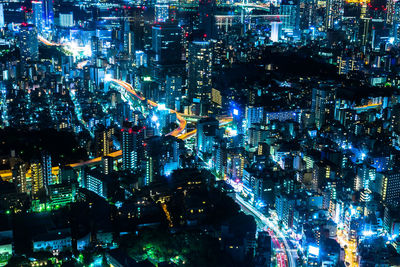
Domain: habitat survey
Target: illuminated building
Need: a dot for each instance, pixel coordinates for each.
(103, 140)
(167, 43)
(285, 206)
(346, 65)
(1, 16)
(199, 74)
(235, 164)
(132, 146)
(290, 11)
(53, 241)
(207, 132)
(108, 164)
(129, 42)
(36, 177)
(48, 13)
(37, 8)
(319, 106)
(333, 15)
(276, 31)
(28, 43)
(161, 10)
(254, 115)
(207, 18)
(61, 194)
(47, 169)
(19, 177)
(67, 20)
(390, 186)
(173, 91)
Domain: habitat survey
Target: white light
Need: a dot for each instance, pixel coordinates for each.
(154, 118)
(161, 107)
(108, 77)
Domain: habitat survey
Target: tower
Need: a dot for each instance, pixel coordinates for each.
(167, 43)
(28, 43)
(37, 9)
(48, 13)
(47, 170)
(132, 146)
(36, 177)
(333, 14)
(199, 73)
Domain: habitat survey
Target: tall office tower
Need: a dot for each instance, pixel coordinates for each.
(396, 21)
(108, 164)
(333, 13)
(28, 43)
(161, 10)
(199, 74)
(19, 177)
(36, 177)
(129, 42)
(290, 11)
(1, 16)
(47, 170)
(207, 18)
(173, 91)
(103, 140)
(48, 13)
(389, 186)
(37, 9)
(167, 43)
(96, 46)
(132, 146)
(319, 106)
(207, 132)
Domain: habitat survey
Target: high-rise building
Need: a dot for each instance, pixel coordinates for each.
(103, 140)
(67, 19)
(47, 169)
(48, 13)
(199, 73)
(389, 187)
(207, 131)
(37, 9)
(1, 16)
(108, 164)
(207, 18)
(132, 146)
(19, 177)
(28, 43)
(319, 105)
(290, 11)
(36, 177)
(334, 13)
(167, 43)
(161, 10)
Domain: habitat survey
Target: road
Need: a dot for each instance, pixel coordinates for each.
(284, 254)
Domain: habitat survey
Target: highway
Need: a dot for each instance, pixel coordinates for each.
(283, 251)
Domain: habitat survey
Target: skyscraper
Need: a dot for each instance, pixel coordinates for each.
(199, 73)
(36, 177)
(207, 131)
(47, 170)
(318, 107)
(1, 16)
(161, 10)
(167, 43)
(207, 18)
(334, 13)
(37, 9)
(132, 146)
(19, 177)
(28, 43)
(48, 13)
